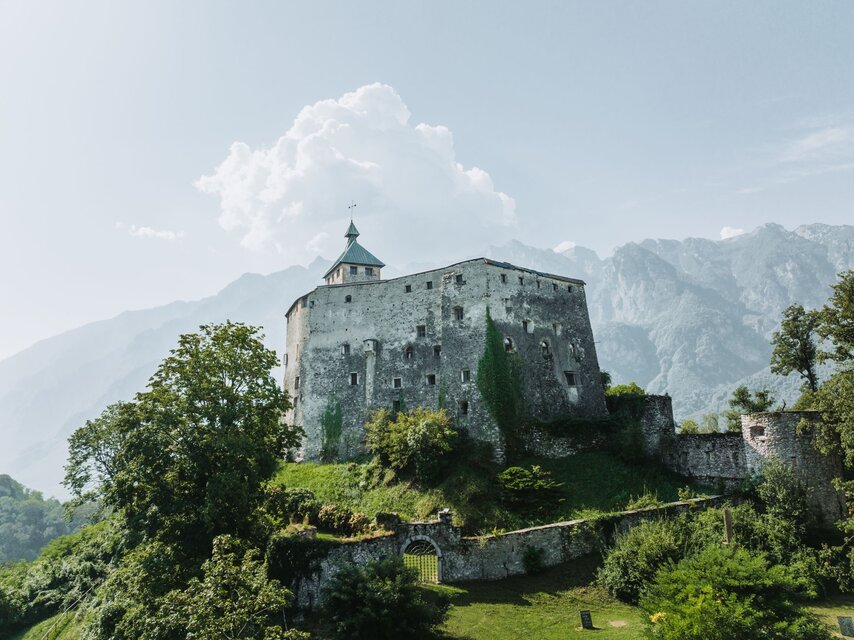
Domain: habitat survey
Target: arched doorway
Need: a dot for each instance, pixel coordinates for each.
(422, 554)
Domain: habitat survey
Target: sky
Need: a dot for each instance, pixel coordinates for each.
(154, 151)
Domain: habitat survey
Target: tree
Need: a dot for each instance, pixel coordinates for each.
(381, 601)
(187, 459)
(417, 442)
(630, 389)
(605, 376)
(836, 321)
(742, 402)
(723, 593)
(794, 345)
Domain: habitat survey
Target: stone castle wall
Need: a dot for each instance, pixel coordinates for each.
(544, 316)
(714, 459)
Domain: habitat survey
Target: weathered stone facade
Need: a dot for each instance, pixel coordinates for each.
(416, 341)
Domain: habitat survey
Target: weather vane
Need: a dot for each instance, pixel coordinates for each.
(351, 208)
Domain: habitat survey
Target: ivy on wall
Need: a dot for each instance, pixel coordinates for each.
(500, 385)
(331, 424)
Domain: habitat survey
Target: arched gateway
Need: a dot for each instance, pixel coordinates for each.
(423, 554)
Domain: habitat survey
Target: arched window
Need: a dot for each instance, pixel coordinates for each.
(544, 345)
(508, 344)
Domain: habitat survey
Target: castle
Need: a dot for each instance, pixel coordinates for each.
(359, 343)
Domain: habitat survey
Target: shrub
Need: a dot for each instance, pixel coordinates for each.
(289, 505)
(333, 518)
(381, 601)
(646, 500)
(531, 491)
(532, 559)
(637, 554)
(415, 443)
(630, 389)
(724, 593)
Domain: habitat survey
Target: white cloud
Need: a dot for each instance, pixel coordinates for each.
(566, 245)
(158, 234)
(414, 199)
(730, 232)
(823, 144)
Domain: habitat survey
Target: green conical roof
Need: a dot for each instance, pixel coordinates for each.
(355, 253)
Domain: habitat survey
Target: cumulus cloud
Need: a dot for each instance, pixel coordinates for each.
(415, 199)
(730, 232)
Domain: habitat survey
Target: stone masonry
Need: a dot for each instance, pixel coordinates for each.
(362, 344)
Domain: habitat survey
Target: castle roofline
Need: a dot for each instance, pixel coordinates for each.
(495, 263)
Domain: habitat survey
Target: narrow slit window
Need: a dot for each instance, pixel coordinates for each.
(504, 278)
(521, 280)
(431, 379)
(296, 382)
(554, 287)
(538, 284)
(354, 379)
(556, 327)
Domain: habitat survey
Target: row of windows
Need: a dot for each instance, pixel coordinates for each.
(555, 286)
(465, 376)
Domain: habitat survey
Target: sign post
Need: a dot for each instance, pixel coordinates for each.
(586, 620)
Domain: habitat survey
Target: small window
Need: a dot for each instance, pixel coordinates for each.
(395, 407)
(569, 288)
(554, 286)
(794, 460)
(303, 302)
(396, 383)
(296, 382)
(429, 284)
(354, 379)
(521, 280)
(345, 349)
(369, 271)
(407, 353)
(525, 326)
(556, 328)
(354, 271)
(757, 432)
(458, 313)
(408, 288)
(437, 350)
(708, 456)
(465, 375)
(571, 378)
(544, 346)
(431, 379)
(286, 359)
(348, 298)
(508, 345)
(459, 279)
(464, 407)
(538, 284)
(421, 331)
(504, 278)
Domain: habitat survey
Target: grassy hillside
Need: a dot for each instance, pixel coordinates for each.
(593, 483)
(59, 627)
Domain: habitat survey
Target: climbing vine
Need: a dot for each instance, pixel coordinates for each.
(500, 386)
(331, 423)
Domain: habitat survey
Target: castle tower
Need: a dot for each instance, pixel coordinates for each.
(355, 264)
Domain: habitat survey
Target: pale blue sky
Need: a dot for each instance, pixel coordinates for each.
(604, 122)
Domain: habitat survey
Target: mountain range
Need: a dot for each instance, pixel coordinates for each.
(691, 318)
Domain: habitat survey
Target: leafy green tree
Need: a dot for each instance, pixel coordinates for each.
(795, 348)
(416, 443)
(234, 600)
(724, 593)
(605, 377)
(381, 601)
(836, 321)
(187, 459)
(532, 492)
(630, 389)
(743, 401)
(691, 426)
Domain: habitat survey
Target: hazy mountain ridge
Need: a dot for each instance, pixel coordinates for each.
(691, 318)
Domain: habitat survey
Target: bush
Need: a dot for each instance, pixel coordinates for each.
(416, 443)
(637, 554)
(290, 557)
(335, 519)
(630, 389)
(532, 559)
(531, 492)
(646, 500)
(381, 601)
(286, 505)
(724, 593)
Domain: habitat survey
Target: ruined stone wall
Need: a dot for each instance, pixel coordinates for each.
(657, 426)
(379, 322)
(777, 434)
(711, 459)
(489, 557)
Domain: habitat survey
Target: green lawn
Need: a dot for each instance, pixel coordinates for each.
(594, 483)
(833, 607)
(542, 607)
